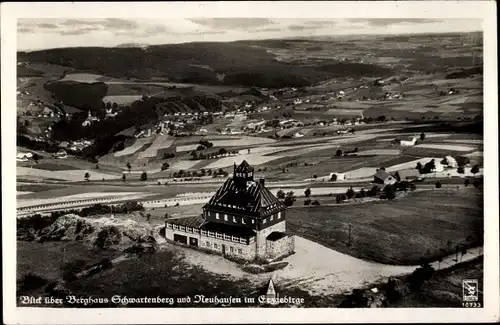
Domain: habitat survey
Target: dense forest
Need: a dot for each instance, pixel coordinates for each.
(85, 96)
(202, 63)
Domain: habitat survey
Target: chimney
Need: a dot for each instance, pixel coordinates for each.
(262, 181)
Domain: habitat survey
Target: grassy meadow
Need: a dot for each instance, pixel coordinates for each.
(425, 224)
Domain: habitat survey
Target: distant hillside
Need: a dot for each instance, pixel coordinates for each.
(340, 69)
(128, 45)
(86, 96)
(242, 64)
(23, 71)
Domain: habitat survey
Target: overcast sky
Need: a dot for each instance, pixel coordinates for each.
(50, 33)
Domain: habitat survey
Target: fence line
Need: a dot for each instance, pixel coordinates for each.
(68, 204)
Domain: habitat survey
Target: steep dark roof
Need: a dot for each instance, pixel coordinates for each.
(199, 223)
(407, 173)
(244, 167)
(382, 174)
(228, 229)
(193, 222)
(276, 235)
(253, 200)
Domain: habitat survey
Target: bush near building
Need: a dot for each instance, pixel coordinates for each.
(289, 199)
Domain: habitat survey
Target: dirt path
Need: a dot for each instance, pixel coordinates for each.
(317, 269)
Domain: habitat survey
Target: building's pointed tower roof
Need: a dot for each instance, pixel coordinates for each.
(271, 292)
(241, 194)
(244, 166)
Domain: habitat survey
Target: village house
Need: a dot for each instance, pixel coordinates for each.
(24, 156)
(89, 120)
(383, 178)
(64, 144)
(411, 143)
(202, 131)
(47, 112)
(451, 162)
(61, 154)
(110, 113)
(407, 175)
(243, 219)
(338, 176)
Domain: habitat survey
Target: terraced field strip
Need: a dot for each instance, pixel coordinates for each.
(121, 99)
(130, 150)
(243, 141)
(362, 172)
(66, 175)
(82, 77)
(160, 142)
(474, 154)
(444, 147)
(252, 158)
(388, 152)
(54, 166)
(289, 131)
(344, 111)
(299, 191)
(317, 140)
(413, 164)
(19, 193)
(184, 164)
(466, 141)
(187, 147)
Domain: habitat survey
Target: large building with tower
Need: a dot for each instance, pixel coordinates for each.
(243, 219)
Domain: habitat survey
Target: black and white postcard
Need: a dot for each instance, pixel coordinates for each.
(190, 162)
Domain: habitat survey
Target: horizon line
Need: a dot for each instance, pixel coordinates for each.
(258, 39)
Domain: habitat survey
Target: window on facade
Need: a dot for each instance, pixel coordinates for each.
(217, 215)
(208, 244)
(271, 218)
(253, 221)
(215, 246)
(234, 220)
(225, 217)
(279, 215)
(264, 221)
(231, 249)
(240, 251)
(243, 220)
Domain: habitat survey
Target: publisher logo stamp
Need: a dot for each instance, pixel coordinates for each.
(470, 290)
